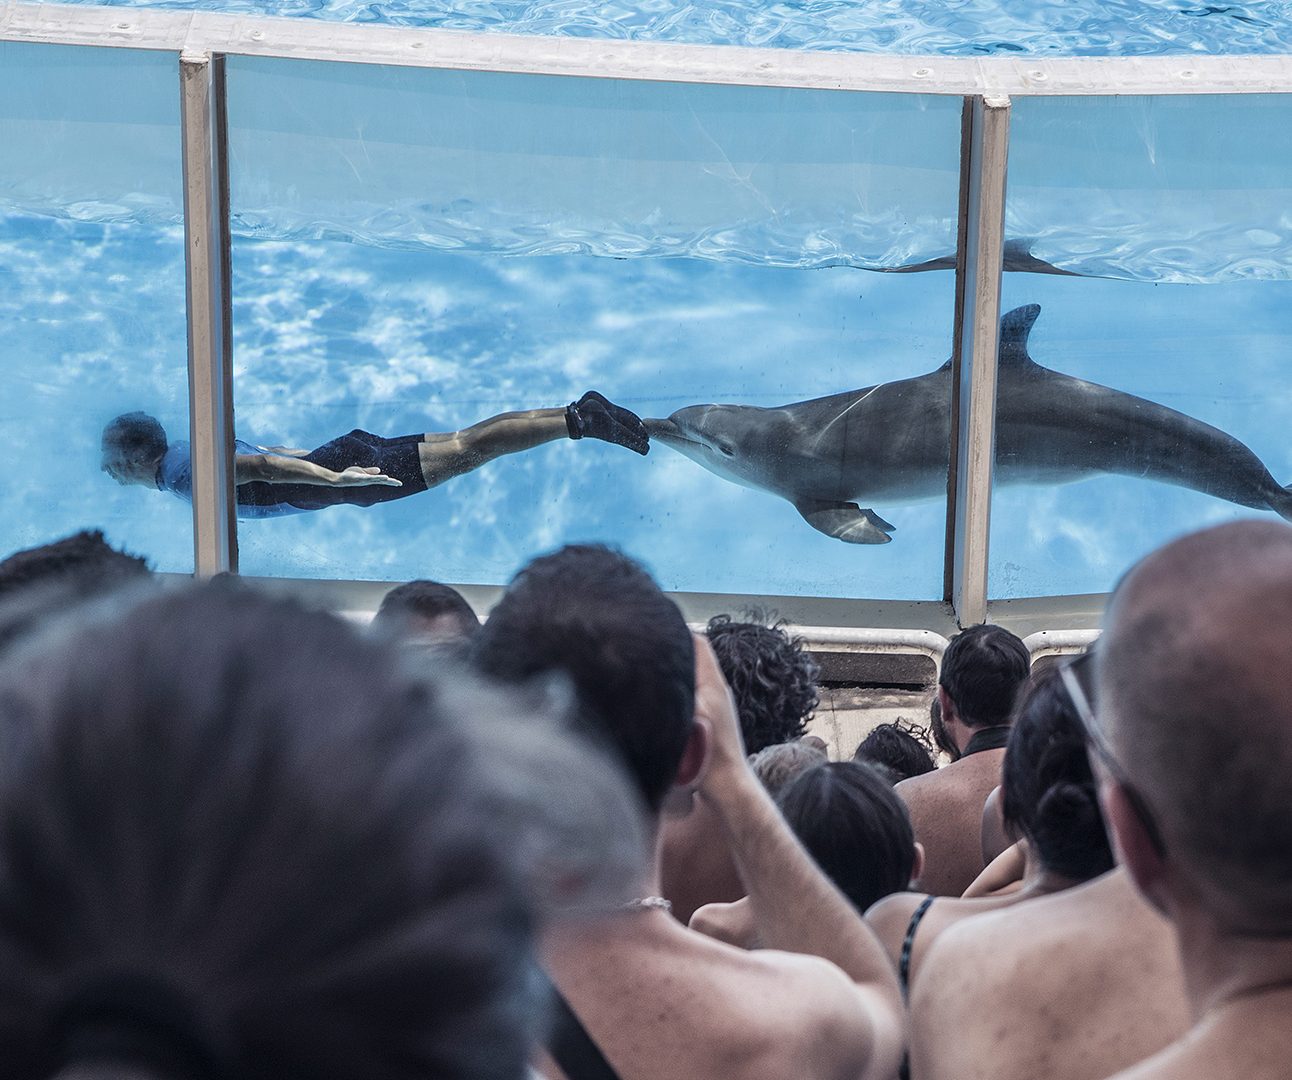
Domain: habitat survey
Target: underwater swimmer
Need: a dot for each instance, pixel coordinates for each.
(359, 469)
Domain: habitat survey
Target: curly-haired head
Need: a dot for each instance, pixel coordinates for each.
(771, 676)
(900, 747)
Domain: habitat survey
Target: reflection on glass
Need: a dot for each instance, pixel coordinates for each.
(91, 289)
(487, 207)
(1189, 189)
(1161, 391)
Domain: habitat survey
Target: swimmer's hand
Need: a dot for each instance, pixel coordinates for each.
(362, 476)
(276, 469)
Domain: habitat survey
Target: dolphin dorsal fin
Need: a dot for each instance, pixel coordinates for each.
(1014, 327)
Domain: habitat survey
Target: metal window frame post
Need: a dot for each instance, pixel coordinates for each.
(978, 289)
(203, 120)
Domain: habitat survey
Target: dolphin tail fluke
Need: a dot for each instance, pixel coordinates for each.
(845, 521)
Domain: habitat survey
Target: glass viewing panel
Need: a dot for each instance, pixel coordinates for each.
(1161, 403)
(417, 250)
(91, 290)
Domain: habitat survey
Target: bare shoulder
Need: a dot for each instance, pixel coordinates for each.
(915, 785)
(732, 923)
(895, 909)
(820, 1006)
(890, 917)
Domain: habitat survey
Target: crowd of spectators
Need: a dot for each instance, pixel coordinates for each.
(243, 837)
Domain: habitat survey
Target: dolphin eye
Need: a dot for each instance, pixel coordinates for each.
(726, 450)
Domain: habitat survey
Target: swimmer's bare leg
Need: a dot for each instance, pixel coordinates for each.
(446, 455)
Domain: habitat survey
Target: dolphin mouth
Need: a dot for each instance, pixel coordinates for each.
(667, 432)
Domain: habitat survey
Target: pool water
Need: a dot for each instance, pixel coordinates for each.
(415, 250)
(935, 27)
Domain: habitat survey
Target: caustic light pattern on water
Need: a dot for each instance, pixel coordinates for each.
(948, 27)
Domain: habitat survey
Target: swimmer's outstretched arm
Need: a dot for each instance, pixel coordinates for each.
(286, 451)
(273, 469)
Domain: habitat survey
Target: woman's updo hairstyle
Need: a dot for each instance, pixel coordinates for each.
(1050, 795)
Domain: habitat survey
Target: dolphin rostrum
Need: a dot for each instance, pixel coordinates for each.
(892, 442)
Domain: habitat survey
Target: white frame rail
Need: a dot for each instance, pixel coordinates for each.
(200, 40)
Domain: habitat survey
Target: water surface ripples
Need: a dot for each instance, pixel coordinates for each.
(946, 27)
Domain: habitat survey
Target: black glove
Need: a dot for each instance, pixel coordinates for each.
(595, 417)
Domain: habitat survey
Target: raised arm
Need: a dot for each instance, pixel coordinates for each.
(273, 469)
(794, 906)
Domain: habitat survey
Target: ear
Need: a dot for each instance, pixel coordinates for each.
(1132, 845)
(947, 706)
(695, 758)
(917, 867)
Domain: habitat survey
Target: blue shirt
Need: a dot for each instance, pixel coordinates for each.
(175, 474)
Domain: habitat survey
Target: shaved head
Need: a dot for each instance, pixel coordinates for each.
(1193, 693)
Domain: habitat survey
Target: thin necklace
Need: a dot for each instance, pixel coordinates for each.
(647, 903)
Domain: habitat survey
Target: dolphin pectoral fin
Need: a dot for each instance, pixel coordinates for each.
(845, 521)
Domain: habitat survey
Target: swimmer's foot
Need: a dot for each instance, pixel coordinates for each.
(595, 417)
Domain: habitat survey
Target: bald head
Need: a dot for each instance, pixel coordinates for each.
(1193, 695)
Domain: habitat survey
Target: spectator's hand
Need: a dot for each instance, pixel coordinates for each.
(1003, 875)
(716, 709)
(361, 476)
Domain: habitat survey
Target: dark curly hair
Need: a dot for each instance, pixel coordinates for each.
(772, 677)
(1049, 794)
(902, 748)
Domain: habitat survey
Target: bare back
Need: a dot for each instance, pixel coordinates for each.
(946, 808)
(1073, 986)
(1249, 1040)
(891, 918)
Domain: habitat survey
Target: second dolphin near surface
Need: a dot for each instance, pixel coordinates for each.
(892, 442)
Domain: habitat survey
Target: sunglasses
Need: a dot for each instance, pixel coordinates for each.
(1078, 678)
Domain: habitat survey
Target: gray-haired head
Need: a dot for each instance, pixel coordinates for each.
(234, 833)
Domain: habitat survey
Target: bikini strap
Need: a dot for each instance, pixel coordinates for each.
(908, 942)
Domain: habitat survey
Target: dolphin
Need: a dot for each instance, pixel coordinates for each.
(892, 441)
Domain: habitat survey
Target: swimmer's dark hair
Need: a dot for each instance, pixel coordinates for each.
(772, 677)
(902, 748)
(135, 436)
(983, 669)
(1049, 795)
(855, 827)
(233, 834)
(596, 616)
(427, 602)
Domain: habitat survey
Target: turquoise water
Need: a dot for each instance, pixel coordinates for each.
(416, 250)
(947, 27)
